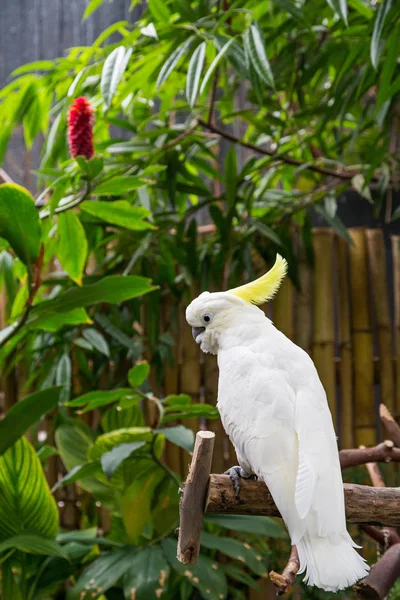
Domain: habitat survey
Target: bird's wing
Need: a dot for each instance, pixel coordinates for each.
(319, 486)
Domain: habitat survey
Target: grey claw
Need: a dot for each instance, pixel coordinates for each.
(235, 474)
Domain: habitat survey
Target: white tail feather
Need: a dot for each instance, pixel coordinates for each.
(330, 566)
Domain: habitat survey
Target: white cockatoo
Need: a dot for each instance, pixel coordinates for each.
(274, 409)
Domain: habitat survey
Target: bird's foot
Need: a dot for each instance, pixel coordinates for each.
(236, 474)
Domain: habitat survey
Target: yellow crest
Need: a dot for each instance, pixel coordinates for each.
(264, 288)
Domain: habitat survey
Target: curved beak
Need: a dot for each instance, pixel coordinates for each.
(196, 331)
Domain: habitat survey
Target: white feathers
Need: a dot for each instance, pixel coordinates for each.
(305, 484)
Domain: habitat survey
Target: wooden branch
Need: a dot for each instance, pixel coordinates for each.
(192, 502)
(391, 426)
(364, 504)
(382, 576)
(386, 537)
(385, 452)
(284, 582)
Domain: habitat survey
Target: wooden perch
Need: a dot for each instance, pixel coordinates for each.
(364, 504)
(193, 499)
(391, 426)
(382, 577)
(284, 582)
(385, 452)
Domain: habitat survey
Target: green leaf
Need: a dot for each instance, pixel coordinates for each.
(237, 550)
(383, 9)
(340, 8)
(91, 7)
(25, 413)
(110, 461)
(25, 499)
(335, 223)
(97, 340)
(179, 435)
(177, 400)
(63, 377)
(72, 247)
(54, 322)
(194, 73)
(112, 73)
(187, 412)
(138, 374)
(159, 10)
(120, 213)
(102, 574)
(113, 289)
(215, 63)
(98, 398)
(256, 55)
(235, 54)
(263, 526)
(147, 575)
(120, 184)
(33, 543)
(45, 452)
(78, 473)
(389, 67)
(108, 441)
(19, 222)
(118, 417)
(205, 575)
(292, 9)
(38, 65)
(172, 61)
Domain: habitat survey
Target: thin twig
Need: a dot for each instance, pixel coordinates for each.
(284, 582)
(385, 452)
(391, 426)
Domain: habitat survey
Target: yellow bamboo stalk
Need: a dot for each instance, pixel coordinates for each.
(173, 454)
(324, 315)
(345, 347)
(396, 276)
(362, 341)
(283, 316)
(190, 369)
(304, 303)
(377, 266)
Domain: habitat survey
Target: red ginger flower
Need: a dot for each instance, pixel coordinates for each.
(80, 129)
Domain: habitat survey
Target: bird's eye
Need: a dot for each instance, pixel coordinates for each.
(207, 317)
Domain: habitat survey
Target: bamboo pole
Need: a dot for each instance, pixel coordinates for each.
(304, 304)
(283, 303)
(345, 347)
(362, 341)
(190, 368)
(377, 265)
(324, 315)
(396, 277)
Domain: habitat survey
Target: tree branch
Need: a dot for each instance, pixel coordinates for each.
(284, 582)
(391, 426)
(385, 452)
(348, 175)
(382, 576)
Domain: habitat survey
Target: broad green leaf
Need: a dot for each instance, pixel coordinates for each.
(205, 575)
(25, 413)
(97, 340)
(159, 10)
(72, 247)
(63, 377)
(110, 461)
(340, 8)
(102, 574)
(38, 65)
(9, 586)
(362, 8)
(120, 184)
(138, 374)
(389, 67)
(187, 412)
(237, 550)
(32, 543)
(381, 14)
(215, 64)
(120, 213)
(73, 442)
(25, 499)
(194, 73)
(98, 398)
(179, 435)
(54, 322)
(113, 289)
(177, 400)
(45, 452)
(78, 473)
(108, 441)
(172, 61)
(91, 7)
(264, 526)
(147, 575)
(135, 503)
(113, 70)
(19, 222)
(256, 55)
(118, 417)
